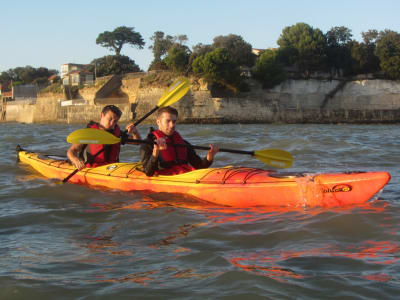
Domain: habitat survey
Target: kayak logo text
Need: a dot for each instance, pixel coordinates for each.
(339, 188)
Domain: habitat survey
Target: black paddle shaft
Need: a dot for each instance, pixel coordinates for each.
(145, 116)
(76, 170)
(196, 147)
(142, 118)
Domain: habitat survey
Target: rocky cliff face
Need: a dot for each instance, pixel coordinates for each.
(293, 101)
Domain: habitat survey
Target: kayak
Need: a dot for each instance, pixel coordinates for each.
(228, 186)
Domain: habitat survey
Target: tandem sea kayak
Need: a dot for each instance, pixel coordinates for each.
(229, 186)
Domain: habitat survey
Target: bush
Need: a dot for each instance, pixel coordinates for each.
(178, 58)
(268, 70)
(218, 67)
(114, 64)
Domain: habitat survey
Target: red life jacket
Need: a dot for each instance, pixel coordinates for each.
(109, 155)
(174, 159)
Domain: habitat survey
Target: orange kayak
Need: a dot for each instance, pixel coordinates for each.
(228, 186)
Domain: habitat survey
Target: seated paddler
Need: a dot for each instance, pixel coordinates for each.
(167, 153)
(94, 155)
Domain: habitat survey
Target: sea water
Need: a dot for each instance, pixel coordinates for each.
(65, 241)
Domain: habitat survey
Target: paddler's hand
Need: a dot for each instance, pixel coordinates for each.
(211, 153)
(79, 164)
(131, 128)
(159, 144)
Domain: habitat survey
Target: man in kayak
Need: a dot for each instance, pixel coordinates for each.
(168, 153)
(98, 155)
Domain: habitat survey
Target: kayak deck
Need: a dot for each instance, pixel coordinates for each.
(228, 186)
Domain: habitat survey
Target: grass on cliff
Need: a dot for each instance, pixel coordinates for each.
(55, 88)
(158, 79)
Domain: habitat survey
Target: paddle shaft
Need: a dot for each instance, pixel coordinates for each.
(87, 161)
(196, 147)
(145, 116)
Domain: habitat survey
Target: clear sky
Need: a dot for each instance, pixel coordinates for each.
(43, 33)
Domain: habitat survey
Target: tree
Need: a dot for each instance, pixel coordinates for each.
(119, 37)
(218, 67)
(178, 58)
(201, 49)
(370, 36)
(338, 53)
(363, 59)
(307, 46)
(198, 50)
(338, 36)
(268, 70)
(388, 52)
(114, 64)
(27, 75)
(180, 39)
(240, 50)
(161, 44)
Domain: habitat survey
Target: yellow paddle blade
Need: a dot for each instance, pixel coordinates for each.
(176, 91)
(275, 157)
(92, 136)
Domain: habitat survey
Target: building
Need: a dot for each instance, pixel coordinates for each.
(78, 78)
(68, 68)
(76, 74)
(5, 92)
(24, 92)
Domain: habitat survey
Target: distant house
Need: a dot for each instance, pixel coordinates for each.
(78, 78)
(6, 92)
(52, 78)
(67, 68)
(76, 74)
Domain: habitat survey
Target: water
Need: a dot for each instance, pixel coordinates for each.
(73, 242)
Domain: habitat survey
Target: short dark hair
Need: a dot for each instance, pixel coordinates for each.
(167, 109)
(113, 109)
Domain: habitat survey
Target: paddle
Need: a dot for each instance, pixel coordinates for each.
(272, 157)
(173, 94)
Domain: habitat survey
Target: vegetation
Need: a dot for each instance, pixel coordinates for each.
(161, 79)
(303, 50)
(113, 64)
(169, 52)
(268, 69)
(178, 58)
(218, 67)
(27, 75)
(388, 52)
(305, 45)
(239, 50)
(120, 36)
(56, 88)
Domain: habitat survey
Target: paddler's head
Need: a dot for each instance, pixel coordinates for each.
(110, 116)
(166, 119)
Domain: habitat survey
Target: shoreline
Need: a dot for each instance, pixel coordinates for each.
(295, 101)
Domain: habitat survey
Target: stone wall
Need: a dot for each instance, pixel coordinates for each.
(293, 101)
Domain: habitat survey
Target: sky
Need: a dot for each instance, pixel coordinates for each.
(48, 34)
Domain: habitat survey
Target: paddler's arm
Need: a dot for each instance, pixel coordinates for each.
(196, 161)
(73, 155)
(149, 161)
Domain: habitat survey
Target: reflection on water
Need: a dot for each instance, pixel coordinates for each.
(271, 263)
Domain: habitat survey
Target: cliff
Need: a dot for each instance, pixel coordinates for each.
(293, 101)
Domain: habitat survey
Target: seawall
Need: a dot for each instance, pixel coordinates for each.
(293, 101)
